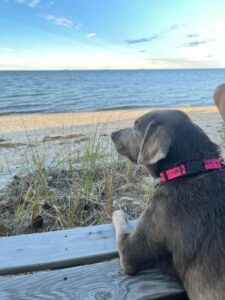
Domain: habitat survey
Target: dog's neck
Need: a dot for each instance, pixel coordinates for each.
(190, 168)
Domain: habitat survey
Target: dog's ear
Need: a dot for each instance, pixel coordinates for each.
(155, 144)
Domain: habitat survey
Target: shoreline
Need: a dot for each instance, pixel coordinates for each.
(50, 136)
(23, 122)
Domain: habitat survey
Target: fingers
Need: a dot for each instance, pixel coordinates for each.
(219, 99)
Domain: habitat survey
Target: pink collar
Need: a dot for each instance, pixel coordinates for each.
(192, 167)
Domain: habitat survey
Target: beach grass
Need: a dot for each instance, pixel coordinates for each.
(75, 188)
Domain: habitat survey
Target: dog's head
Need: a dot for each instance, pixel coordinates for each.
(160, 139)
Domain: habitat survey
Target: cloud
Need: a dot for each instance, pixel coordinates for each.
(12, 67)
(31, 3)
(180, 62)
(61, 21)
(173, 27)
(6, 49)
(91, 35)
(142, 40)
(192, 35)
(142, 51)
(197, 43)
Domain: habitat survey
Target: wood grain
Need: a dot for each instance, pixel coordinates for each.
(101, 281)
(57, 249)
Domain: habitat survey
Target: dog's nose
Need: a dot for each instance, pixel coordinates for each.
(114, 135)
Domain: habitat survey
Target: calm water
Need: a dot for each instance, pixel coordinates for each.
(66, 91)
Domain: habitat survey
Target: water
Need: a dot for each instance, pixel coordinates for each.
(67, 91)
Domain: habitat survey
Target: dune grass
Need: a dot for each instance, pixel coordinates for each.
(76, 188)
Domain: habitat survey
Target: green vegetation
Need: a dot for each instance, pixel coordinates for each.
(76, 188)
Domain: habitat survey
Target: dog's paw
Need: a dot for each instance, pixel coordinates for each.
(119, 217)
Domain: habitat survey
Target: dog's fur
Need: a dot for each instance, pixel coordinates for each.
(182, 232)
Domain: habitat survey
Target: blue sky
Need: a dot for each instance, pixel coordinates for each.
(111, 34)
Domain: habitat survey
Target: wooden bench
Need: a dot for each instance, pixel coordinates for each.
(75, 264)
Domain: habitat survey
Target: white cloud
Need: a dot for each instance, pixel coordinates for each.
(90, 35)
(31, 3)
(182, 62)
(61, 21)
(6, 49)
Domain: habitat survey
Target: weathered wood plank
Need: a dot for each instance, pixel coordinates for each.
(97, 281)
(57, 249)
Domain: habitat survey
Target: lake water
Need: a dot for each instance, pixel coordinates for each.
(74, 91)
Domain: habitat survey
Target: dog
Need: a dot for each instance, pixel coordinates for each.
(182, 232)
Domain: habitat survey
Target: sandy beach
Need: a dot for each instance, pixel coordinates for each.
(15, 123)
(48, 134)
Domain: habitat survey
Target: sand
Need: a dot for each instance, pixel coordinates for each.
(15, 123)
(49, 135)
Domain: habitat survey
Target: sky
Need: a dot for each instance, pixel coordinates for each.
(111, 34)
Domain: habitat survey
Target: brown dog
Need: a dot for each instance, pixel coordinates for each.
(182, 232)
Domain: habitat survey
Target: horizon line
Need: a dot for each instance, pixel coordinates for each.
(138, 69)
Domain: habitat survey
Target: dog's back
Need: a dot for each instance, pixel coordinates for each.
(194, 224)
